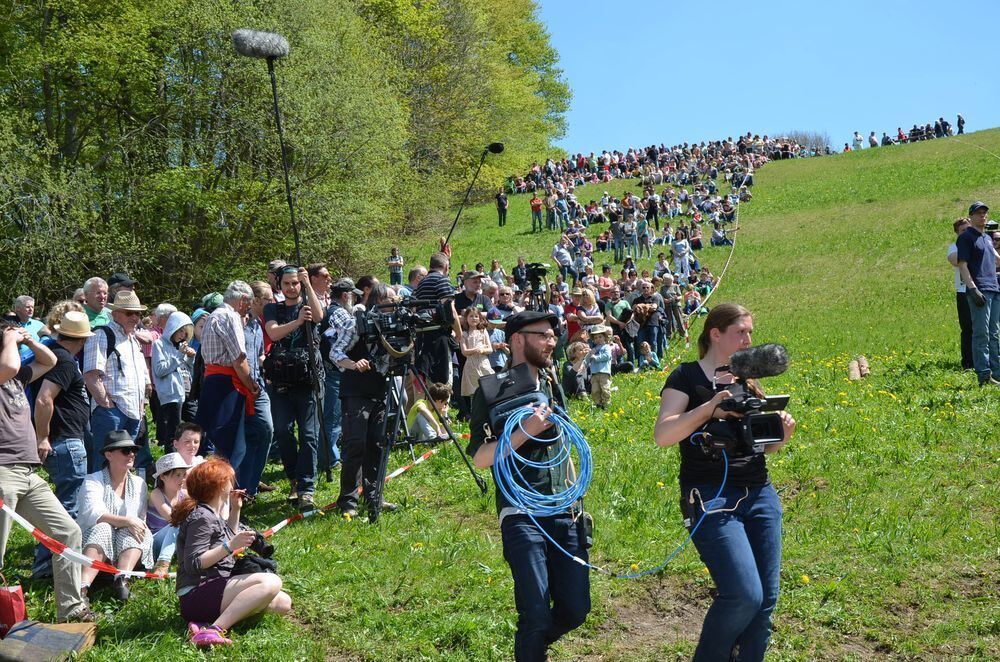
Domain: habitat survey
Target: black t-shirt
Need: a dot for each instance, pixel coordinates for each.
(697, 468)
(72, 408)
(501, 201)
(283, 314)
(462, 301)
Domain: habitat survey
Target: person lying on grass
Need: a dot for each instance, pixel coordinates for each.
(212, 598)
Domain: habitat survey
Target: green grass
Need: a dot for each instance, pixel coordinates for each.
(889, 487)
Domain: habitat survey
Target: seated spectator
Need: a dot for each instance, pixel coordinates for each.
(212, 598)
(692, 300)
(187, 442)
(719, 237)
(112, 505)
(647, 359)
(171, 470)
(422, 422)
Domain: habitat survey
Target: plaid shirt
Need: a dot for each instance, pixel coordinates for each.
(342, 332)
(222, 340)
(126, 377)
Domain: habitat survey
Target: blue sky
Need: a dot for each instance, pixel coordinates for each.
(647, 71)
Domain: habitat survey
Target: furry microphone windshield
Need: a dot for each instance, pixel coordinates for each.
(266, 45)
(760, 361)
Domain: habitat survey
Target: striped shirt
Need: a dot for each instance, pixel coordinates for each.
(222, 340)
(126, 377)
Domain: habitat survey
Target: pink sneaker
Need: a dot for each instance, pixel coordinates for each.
(210, 636)
(195, 628)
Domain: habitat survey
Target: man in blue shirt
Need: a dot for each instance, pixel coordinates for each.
(977, 264)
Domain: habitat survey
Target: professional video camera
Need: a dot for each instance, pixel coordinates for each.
(391, 328)
(535, 300)
(755, 430)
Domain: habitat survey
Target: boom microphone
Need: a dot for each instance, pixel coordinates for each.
(760, 361)
(264, 45)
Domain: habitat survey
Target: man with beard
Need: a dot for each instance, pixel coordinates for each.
(551, 590)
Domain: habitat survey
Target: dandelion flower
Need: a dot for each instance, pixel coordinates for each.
(805, 579)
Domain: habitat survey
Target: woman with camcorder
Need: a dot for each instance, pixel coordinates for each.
(737, 529)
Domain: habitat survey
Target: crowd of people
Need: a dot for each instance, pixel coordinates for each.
(103, 378)
(939, 128)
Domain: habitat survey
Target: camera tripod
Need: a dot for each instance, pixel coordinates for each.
(393, 425)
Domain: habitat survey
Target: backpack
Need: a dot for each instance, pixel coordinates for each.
(111, 348)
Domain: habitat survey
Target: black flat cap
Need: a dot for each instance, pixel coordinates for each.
(518, 321)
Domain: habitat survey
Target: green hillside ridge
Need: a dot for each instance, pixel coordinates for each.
(890, 487)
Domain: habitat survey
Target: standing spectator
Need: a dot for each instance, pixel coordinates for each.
(561, 255)
(417, 274)
(338, 332)
(536, 212)
(872, 140)
(476, 347)
(227, 392)
(961, 124)
(434, 347)
(320, 279)
(115, 373)
(113, 514)
(600, 366)
(520, 274)
(259, 428)
(274, 268)
(20, 487)
(292, 399)
(120, 282)
(24, 308)
(173, 365)
(62, 412)
(497, 273)
(961, 300)
(502, 205)
(681, 251)
(395, 264)
(977, 262)
(859, 142)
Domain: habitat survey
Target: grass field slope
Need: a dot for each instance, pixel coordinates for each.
(890, 487)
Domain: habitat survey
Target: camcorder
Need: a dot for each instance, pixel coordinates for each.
(391, 328)
(759, 426)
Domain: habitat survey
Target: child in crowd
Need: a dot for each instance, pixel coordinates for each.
(171, 469)
(647, 359)
(599, 361)
(423, 423)
(476, 348)
(172, 363)
(692, 300)
(574, 371)
(187, 442)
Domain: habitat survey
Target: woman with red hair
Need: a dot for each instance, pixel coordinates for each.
(212, 600)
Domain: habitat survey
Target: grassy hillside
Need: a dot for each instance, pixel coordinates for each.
(889, 487)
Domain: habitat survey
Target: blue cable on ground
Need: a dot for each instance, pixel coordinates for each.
(510, 481)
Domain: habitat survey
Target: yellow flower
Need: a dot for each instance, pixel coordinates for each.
(417, 545)
(347, 517)
(659, 484)
(805, 579)
(634, 567)
(819, 409)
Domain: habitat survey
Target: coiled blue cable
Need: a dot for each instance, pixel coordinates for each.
(511, 483)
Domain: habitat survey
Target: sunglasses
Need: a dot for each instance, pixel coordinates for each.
(126, 451)
(132, 313)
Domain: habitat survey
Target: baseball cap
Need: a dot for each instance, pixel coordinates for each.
(122, 278)
(976, 206)
(345, 285)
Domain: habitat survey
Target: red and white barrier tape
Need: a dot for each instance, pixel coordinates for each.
(59, 549)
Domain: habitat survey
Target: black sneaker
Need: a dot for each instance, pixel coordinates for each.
(306, 502)
(389, 507)
(120, 589)
(989, 381)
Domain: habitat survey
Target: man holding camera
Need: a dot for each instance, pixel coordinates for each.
(551, 591)
(292, 400)
(977, 264)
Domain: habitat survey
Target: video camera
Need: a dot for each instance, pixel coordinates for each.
(755, 430)
(391, 328)
(535, 273)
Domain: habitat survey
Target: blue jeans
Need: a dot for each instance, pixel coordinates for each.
(741, 547)
(103, 421)
(632, 246)
(651, 334)
(299, 460)
(551, 591)
(258, 433)
(67, 466)
(536, 219)
(619, 249)
(550, 219)
(332, 413)
(165, 543)
(985, 346)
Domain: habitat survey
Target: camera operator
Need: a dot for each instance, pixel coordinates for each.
(542, 574)
(742, 549)
(362, 396)
(434, 347)
(292, 400)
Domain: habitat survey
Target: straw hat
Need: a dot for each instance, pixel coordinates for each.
(127, 300)
(74, 325)
(600, 329)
